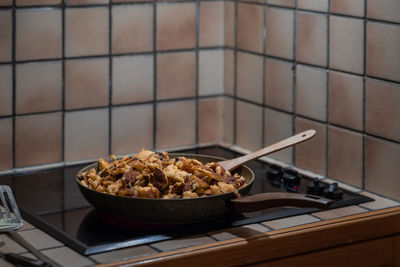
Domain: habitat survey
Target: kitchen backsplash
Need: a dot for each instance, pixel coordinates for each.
(84, 79)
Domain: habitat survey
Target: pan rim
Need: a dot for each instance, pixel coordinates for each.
(227, 195)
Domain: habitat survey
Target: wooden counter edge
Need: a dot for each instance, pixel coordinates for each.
(279, 243)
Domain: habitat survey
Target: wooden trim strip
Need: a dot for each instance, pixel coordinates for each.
(280, 243)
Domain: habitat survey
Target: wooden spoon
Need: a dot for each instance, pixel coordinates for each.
(295, 139)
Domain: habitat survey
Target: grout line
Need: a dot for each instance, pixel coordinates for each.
(235, 72)
(294, 87)
(110, 79)
(197, 64)
(63, 88)
(154, 101)
(264, 48)
(13, 56)
(364, 99)
(327, 124)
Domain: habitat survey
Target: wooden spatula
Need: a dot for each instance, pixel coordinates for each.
(295, 139)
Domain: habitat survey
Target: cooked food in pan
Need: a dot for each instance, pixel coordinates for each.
(156, 175)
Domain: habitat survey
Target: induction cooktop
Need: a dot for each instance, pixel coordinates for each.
(51, 201)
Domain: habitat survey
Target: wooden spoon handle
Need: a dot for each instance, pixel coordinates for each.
(236, 162)
(278, 199)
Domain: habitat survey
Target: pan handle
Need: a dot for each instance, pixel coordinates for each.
(277, 199)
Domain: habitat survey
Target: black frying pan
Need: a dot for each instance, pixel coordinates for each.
(190, 210)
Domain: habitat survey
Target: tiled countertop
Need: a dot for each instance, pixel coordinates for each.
(68, 257)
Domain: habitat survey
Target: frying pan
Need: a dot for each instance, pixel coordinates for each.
(193, 210)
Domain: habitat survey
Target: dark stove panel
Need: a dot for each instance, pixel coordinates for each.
(51, 201)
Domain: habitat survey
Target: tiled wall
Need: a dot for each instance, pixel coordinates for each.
(333, 66)
(83, 79)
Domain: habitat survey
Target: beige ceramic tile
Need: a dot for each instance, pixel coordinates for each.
(86, 2)
(229, 68)
(6, 35)
(80, 140)
(346, 100)
(38, 139)
(348, 55)
(133, 79)
(250, 27)
(10, 246)
(182, 243)
(35, 93)
(343, 185)
(37, 2)
(311, 155)
(129, 1)
(39, 239)
(211, 28)
(382, 167)
(6, 3)
(227, 120)
(279, 84)
(6, 153)
(86, 83)
(277, 126)
(127, 139)
(210, 119)
(383, 109)
(86, 31)
(250, 83)
(316, 5)
(38, 34)
(229, 23)
(288, 3)
(243, 231)
(345, 156)
(383, 54)
(211, 72)
(176, 75)
(67, 257)
(249, 126)
(176, 26)
(291, 221)
(123, 254)
(311, 38)
(340, 212)
(279, 32)
(5, 90)
(384, 10)
(26, 226)
(132, 28)
(378, 203)
(354, 7)
(175, 124)
(311, 92)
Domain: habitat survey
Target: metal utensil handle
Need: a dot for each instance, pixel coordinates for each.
(17, 238)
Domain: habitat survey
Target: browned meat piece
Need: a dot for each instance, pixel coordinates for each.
(177, 188)
(129, 177)
(159, 179)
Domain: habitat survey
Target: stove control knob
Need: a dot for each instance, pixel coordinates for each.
(291, 178)
(274, 175)
(333, 192)
(315, 187)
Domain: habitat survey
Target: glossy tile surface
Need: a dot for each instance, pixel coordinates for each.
(340, 212)
(229, 71)
(175, 124)
(354, 7)
(126, 139)
(229, 23)
(279, 32)
(211, 72)
(6, 35)
(38, 34)
(290, 222)
(249, 126)
(311, 38)
(132, 28)
(176, 75)
(86, 31)
(346, 55)
(345, 156)
(86, 83)
(211, 28)
(379, 202)
(132, 79)
(210, 119)
(383, 109)
(176, 26)
(38, 139)
(250, 27)
(311, 92)
(6, 152)
(183, 242)
(316, 5)
(383, 54)
(5, 90)
(279, 84)
(346, 100)
(67, 257)
(128, 253)
(80, 142)
(288, 3)
(387, 10)
(249, 83)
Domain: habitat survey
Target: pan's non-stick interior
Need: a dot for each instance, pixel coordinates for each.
(165, 211)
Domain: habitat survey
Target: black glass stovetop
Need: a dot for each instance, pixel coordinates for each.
(51, 201)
